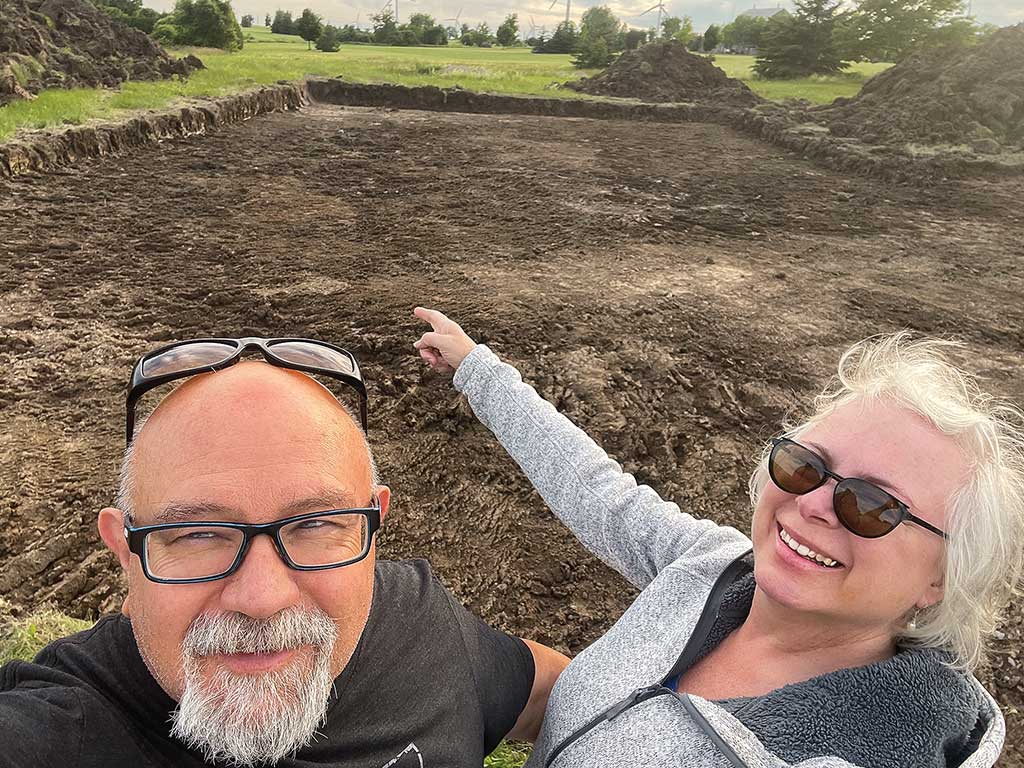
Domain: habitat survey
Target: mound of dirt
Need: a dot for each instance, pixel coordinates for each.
(72, 43)
(973, 97)
(666, 71)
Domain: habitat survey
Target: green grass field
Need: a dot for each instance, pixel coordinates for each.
(268, 58)
(24, 638)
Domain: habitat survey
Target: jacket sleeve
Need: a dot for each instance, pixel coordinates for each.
(39, 726)
(628, 526)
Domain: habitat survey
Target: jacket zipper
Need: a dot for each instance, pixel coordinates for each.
(703, 626)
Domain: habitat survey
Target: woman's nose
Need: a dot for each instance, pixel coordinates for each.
(817, 506)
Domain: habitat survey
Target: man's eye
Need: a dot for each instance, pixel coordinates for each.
(313, 525)
(198, 536)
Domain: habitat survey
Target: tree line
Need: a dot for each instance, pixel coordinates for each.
(819, 37)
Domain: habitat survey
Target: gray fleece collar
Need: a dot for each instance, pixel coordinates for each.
(907, 711)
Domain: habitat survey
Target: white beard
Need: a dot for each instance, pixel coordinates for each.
(261, 718)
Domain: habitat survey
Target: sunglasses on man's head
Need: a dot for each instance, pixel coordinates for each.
(188, 358)
(861, 506)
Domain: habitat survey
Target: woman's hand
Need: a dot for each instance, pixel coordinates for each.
(447, 345)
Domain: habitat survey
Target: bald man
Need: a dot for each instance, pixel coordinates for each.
(239, 648)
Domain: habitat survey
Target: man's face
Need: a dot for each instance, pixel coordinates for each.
(251, 444)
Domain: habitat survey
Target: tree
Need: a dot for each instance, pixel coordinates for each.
(803, 44)
(890, 30)
(247, 21)
(744, 32)
(267, 21)
(329, 40)
(680, 29)
(480, 36)
(564, 40)
(508, 33)
(592, 54)
(420, 22)
(309, 26)
(635, 38)
(145, 19)
(208, 23)
(385, 30)
(282, 23)
(435, 35)
(599, 23)
(132, 13)
(351, 34)
(712, 36)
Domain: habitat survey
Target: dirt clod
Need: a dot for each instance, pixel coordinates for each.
(666, 71)
(971, 97)
(71, 44)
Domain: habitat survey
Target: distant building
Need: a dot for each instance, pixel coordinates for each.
(764, 13)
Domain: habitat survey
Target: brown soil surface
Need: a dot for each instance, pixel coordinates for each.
(973, 97)
(72, 44)
(666, 71)
(677, 309)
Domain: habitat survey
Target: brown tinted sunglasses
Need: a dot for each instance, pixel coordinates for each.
(862, 507)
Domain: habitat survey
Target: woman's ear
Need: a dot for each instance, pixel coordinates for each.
(933, 594)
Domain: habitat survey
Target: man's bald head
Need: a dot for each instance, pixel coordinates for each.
(250, 412)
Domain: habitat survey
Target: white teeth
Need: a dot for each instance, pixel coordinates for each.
(805, 551)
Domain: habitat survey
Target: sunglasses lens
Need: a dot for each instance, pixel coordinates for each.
(866, 509)
(795, 469)
(316, 355)
(186, 356)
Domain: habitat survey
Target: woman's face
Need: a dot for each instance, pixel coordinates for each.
(878, 580)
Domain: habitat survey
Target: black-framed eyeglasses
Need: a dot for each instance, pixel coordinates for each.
(196, 552)
(188, 358)
(861, 506)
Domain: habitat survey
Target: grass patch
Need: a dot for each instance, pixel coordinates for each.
(23, 639)
(268, 58)
(820, 90)
(508, 755)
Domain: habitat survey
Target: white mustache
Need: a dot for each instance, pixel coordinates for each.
(226, 633)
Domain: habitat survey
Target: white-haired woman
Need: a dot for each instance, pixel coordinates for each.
(886, 539)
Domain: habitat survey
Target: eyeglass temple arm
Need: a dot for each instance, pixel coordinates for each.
(927, 526)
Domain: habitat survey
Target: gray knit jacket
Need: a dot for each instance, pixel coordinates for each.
(610, 707)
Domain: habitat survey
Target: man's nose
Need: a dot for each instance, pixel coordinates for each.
(263, 585)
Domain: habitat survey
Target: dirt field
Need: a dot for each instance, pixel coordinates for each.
(675, 289)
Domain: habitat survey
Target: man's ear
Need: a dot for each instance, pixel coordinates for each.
(383, 494)
(111, 527)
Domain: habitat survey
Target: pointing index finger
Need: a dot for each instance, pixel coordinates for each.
(432, 316)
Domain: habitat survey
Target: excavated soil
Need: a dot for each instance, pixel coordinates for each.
(676, 308)
(973, 97)
(74, 44)
(666, 71)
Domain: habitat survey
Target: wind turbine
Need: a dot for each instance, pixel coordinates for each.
(661, 9)
(456, 20)
(568, 6)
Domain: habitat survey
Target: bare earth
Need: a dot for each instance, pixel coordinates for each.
(675, 289)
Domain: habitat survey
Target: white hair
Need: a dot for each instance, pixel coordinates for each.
(246, 720)
(128, 475)
(985, 551)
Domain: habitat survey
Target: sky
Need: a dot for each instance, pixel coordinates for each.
(472, 12)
